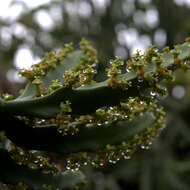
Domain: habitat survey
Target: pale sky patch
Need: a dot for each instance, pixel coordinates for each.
(23, 58)
(43, 18)
(12, 11)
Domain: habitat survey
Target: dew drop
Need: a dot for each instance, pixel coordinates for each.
(152, 93)
(93, 163)
(77, 164)
(60, 131)
(127, 70)
(145, 147)
(141, 102)
(111, 108)
(127, 157)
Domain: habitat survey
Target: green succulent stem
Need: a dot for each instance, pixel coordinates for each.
(35, 179)
(88, 98)
(64, 110)
(89, 139)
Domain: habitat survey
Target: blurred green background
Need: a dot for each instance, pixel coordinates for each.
(30, 28)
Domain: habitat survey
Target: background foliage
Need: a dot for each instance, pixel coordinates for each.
(114, 28)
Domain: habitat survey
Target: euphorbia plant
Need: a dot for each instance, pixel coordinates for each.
(65, 110)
